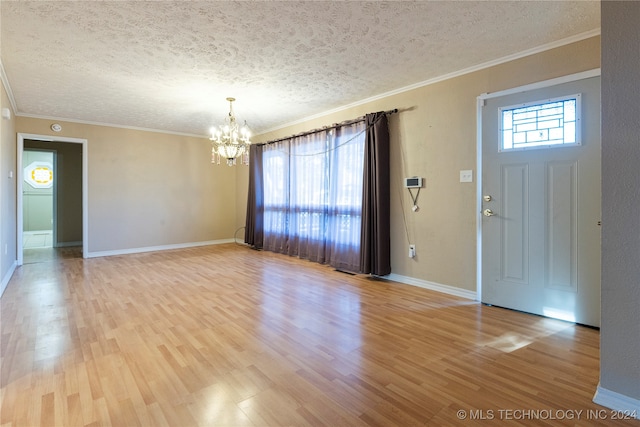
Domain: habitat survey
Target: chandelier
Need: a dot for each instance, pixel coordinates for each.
(230, 141)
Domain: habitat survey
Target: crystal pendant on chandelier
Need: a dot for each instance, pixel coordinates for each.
(230, 141)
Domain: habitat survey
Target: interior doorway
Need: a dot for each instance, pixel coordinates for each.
(52, 190)
(38, 195)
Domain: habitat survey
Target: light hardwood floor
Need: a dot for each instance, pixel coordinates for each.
(227, 336)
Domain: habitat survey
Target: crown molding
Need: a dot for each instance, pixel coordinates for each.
(111, 125)
(502, 60)
(484, 65)
(7, 88)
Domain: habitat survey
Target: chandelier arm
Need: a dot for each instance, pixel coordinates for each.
(230, 141)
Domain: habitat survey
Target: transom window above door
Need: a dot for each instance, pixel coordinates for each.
(541, 124)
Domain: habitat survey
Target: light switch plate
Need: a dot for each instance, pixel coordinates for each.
(466, 176)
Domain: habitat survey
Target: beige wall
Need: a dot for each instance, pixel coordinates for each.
(149, 189)
(8, 218)
(434, 136)
(620, 332)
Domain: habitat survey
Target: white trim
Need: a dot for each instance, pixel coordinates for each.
(157, 248)
(480, 102)
(67, 244)
(19, 201)
(544, 83)
(85, 186)
(54, 235)
(111, 125)
(7, 277)
(621, 403)
(432, 286)
(85, 198)
(7, 88)
(484, 65)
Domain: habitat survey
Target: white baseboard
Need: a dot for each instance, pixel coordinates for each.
(157, 248)
(451, 290)
(625, 405)
(68, 244)
(7, 277)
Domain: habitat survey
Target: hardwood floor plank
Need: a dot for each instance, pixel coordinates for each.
(141, 384)
(93, 378)
(73, 414)
(227, 336)
(47, 411)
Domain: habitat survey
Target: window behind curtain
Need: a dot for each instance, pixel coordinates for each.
(313, 196)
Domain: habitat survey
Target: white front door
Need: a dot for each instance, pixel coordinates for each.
(541, 235)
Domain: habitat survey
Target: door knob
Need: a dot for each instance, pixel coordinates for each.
(488, 212)
(487, 198)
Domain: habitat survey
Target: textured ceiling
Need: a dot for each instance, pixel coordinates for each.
(170, 65)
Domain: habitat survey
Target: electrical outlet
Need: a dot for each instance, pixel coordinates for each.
(412, 251)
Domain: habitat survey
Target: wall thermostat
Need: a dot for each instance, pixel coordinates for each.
(413, 182)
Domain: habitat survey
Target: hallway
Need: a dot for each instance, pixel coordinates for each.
(38, 247)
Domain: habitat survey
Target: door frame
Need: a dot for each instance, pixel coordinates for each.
(19, 189)
(480, 102)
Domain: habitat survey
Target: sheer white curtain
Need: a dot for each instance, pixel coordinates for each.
(275, 166)
(313, 196)
(308, 192)
(345, 196)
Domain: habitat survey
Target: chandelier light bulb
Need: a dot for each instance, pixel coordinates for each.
(230, 142)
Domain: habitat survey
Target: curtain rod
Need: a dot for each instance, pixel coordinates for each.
(334, 126)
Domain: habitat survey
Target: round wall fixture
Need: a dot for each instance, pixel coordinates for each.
(56, 127)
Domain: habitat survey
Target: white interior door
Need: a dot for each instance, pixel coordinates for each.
(541, 238)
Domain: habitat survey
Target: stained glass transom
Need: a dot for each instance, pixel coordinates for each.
(541, 124)
(39, 175)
